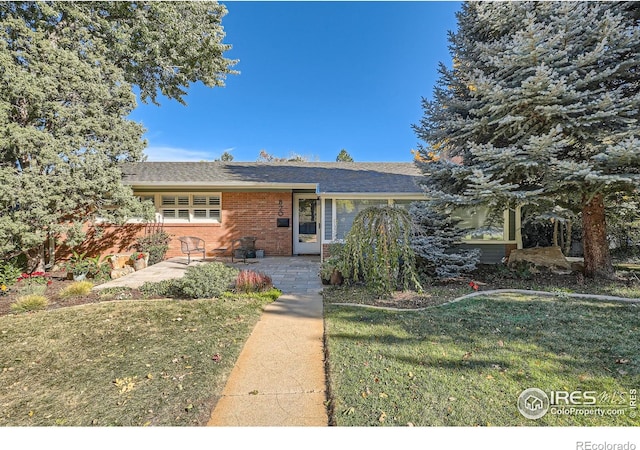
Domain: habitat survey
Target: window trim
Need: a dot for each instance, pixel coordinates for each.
(190, 206)
(391, 200)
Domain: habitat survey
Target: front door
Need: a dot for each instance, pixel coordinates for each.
(306, 224)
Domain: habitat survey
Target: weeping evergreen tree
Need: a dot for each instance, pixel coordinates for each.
(540, 109)
(436, 244)
(378, 250)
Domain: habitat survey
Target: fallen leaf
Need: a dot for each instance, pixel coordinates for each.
(254, 392)
(500, 343)
(489, 377)
(622, 361)
(216, 357)
(349, 411)
(149, 376)
(382, 417)
(383, 395)
(467, 355)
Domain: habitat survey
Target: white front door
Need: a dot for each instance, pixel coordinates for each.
(306, 224)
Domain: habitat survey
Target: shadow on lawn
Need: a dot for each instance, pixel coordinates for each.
(562, 336)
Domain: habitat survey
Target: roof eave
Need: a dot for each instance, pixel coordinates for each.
(220, 186)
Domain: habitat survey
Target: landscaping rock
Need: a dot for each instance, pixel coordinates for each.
(119, 273)
(549, 257)
(119, 261)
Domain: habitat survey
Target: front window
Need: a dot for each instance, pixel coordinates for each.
(347, 210)
(478, 224)
(188, 207)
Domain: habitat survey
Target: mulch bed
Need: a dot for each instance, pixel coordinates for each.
(59, 281)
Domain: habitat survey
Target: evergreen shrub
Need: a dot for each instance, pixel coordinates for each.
(436, 244)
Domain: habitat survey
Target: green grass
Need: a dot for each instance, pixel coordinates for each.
(464, 364)
(126, 363)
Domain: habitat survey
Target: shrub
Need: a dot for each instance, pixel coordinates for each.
(76, 289)
(436, 244)
(30, 303)
(156, 244)
(166, 288)
(201, 281)
(333, 263)
(33, 283)
(208, 280)
(9, 273)
(250, 281)
(116, 293)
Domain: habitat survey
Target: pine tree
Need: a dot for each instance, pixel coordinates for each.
(66, 76)
(344, 156)
(226, 157)
(540, 109)
(436, 243)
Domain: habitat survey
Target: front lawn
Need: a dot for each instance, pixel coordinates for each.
(466, 363)
(129, 363)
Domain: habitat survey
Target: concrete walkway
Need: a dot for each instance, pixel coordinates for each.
(279, 378)
(171, 268)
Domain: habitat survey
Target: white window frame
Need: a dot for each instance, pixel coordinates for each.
(391, 200)
(334, 216)
(185, 205)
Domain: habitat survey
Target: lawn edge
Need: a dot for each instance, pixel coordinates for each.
(606, 298)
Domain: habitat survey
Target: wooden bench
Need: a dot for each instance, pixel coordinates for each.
(191, 244)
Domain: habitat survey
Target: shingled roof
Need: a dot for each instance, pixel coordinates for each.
(327, 177)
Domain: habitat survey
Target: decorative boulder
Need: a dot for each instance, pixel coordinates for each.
(118, 273)
(119, 261)
(550, 257)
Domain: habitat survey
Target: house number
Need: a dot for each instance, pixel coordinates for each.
(280, 208)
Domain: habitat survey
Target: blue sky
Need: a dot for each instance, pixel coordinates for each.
(315, 77)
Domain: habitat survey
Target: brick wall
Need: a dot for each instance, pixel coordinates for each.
(243, 214)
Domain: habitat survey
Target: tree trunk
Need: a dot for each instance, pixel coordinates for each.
(597, 260)
(567, 242)
(35, 259)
